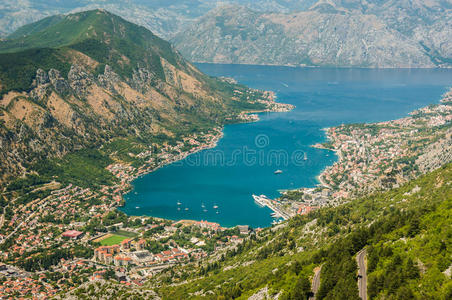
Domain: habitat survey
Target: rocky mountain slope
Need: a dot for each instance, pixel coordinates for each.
(102, 78)
(329, 33)
(371, 33)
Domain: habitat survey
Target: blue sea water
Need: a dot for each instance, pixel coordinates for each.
(244, 161)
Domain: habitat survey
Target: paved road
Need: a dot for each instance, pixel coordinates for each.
(362, 274)
(316, 282)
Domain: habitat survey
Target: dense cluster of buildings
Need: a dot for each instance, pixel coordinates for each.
(380, 155)
(375, 156)
(24, 287)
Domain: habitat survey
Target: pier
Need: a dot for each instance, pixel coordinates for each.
(263, 200)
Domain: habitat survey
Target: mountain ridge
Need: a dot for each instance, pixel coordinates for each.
(107, 78)
(324, 35)
(417, 33)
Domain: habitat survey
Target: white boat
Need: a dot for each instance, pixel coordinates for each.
(278, 172)
(275, 215)
(276, 221)
(178, 203)
(215, 206)
(186, 208)
(137, 207)
(261, 200)
(305, 156)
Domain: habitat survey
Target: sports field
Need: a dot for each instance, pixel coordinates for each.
(112, 239)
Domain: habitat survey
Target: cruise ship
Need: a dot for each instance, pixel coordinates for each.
(261, 200)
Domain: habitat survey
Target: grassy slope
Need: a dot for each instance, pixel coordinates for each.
(413, 228)
(35, 27)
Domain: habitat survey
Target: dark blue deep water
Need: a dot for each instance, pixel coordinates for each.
(244, 161)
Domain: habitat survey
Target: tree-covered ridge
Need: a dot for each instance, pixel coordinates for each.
(406, 232)
(102, 36)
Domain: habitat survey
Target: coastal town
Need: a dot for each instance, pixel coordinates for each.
(377, 156)
(72, 233)
(68, 235)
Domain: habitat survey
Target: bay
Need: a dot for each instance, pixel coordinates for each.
(217, 184)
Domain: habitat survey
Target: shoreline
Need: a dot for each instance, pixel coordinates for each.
(398, 132)
(243, 118)
(289, 65)
(343, 187)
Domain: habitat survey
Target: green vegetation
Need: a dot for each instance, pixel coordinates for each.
(41, 259)
(17, 70)
(85, 168)
(293, 195)
(104, 37)
(126, 233)
(407, 235)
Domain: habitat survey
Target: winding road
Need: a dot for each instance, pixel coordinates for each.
(362, 274)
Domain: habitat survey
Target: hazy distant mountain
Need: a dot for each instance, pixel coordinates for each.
(163, 17)
(373, 33)
(346, 33)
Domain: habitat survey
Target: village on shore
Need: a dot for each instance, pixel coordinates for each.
(76, 235)
(377, 156)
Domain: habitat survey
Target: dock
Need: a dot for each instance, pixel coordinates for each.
(263, 200)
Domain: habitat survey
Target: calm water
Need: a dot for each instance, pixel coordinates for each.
(244, 161)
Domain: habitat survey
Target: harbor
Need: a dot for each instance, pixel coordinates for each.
(264, 201)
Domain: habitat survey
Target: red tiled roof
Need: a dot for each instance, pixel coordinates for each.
(72, 233)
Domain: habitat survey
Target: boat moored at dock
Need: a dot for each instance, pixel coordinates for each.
(261, 200)
(264, 201)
